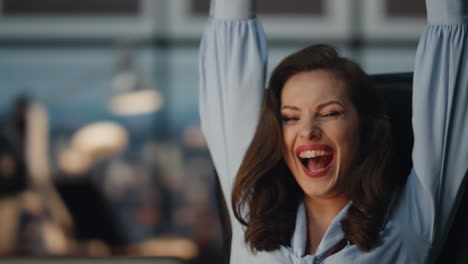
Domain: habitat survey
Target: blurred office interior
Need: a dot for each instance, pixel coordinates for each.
(101, 152)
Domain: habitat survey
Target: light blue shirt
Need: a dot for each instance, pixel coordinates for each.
(233, 57)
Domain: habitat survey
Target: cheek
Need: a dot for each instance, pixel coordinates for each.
(346, 136)
(287, 138)
(288, 143)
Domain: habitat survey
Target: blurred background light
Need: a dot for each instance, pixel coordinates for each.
(133, 94)
(74, 162)
(136, 102)
(100, 140)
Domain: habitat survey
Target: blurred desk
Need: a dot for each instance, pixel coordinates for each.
(119, 260)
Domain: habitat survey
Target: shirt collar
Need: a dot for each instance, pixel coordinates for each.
(332, 236)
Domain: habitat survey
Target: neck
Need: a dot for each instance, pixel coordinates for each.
(320, 214)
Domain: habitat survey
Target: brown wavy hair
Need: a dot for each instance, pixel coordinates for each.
(265, 196)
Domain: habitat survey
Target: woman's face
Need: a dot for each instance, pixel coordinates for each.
(321, 132)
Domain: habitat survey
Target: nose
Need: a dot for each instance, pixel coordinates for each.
(310, 130)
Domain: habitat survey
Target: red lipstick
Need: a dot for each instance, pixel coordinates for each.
(329, 159)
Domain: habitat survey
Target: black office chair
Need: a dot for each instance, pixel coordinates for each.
(397, 91)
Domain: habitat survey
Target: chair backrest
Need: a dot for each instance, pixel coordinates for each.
(397, 89)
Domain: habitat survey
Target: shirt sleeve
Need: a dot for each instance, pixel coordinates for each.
(232, 63)
(440, 120)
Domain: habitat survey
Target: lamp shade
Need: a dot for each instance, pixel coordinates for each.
(100, 140)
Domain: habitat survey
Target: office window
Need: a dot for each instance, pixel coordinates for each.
(397, 8)
(272, 7)
(60, 7)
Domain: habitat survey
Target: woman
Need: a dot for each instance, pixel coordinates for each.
(319, 189)
(336, 145)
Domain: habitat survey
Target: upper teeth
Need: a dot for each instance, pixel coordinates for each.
(313, 153)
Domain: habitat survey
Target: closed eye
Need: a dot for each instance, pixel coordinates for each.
(331, 114)
(287, 119)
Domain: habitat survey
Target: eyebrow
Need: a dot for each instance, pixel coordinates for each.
(329, 103)
(320, 106)
(290, 107)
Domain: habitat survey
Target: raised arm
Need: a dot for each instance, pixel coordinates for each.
(440, 117)
(232, 63)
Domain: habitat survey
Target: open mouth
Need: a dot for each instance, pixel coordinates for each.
(316, 160)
